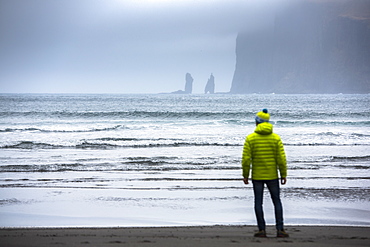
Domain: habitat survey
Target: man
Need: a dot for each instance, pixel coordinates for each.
(264, 152)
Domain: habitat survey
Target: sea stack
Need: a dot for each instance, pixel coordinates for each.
(188, 83)
(210, 86)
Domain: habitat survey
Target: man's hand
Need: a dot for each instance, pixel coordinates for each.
(283, 181)
(246, 181)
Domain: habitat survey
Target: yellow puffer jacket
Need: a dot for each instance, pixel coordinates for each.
(264, 151)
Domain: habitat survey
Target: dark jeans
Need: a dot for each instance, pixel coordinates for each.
(274, 188)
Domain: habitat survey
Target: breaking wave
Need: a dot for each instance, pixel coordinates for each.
(92, 145)
(61, 131)
(231, 116)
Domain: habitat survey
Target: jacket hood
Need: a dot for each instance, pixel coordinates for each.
(264, 129)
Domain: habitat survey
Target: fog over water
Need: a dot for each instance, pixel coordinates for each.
(122, 46)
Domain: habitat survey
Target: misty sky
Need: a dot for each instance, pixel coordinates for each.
(121, 46)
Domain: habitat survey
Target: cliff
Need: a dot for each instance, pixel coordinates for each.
(312, 47)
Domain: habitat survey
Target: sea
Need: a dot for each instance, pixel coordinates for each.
(106, 160)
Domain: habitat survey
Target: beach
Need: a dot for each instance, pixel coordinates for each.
(165, 170)
(184, 236)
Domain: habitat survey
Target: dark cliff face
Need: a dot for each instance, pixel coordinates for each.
(312, 47)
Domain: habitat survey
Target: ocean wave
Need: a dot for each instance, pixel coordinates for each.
(231, 116)
(340, 134)
(350, 194)
(135, 139)
(113, 143)
(30, 145)
(350, 158)
(125, 114)
(350, 162)
(319, 165)
(60, 131)
(44, 168)
(326, 144)
(170, 163)
(146, 165)
(322, 122)
(12, 201)
(15, 130)
(92, 145)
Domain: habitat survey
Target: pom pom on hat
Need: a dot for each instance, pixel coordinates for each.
(263, 116)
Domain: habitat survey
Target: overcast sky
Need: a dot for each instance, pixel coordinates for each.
(122, 46)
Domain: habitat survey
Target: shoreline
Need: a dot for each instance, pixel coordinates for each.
(271, 226)
(216, 235)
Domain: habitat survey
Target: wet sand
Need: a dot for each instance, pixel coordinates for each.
(184, 236)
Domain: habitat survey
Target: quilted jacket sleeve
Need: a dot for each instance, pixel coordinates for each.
(246, 158)
(281, 159)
